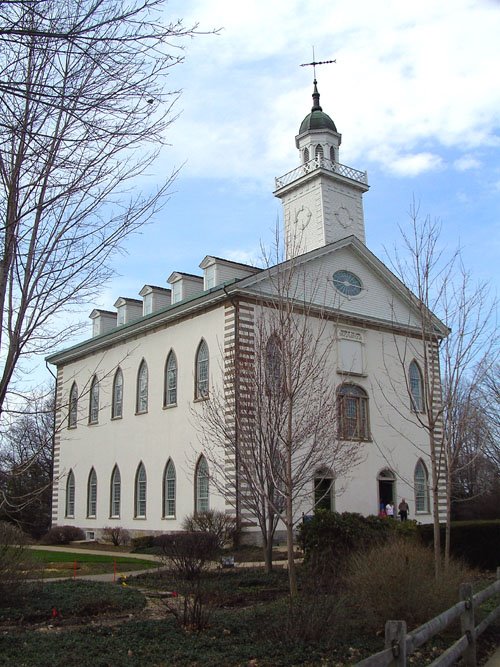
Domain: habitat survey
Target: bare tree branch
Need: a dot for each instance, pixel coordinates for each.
(84, 112)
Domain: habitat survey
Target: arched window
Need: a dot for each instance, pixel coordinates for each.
(115, 495)
(306, 155)
(73, 406)
(201, 370)
(201, 486)
(416, 388)
(318, 152)
(324, 491)
(274, 364)
(140, 492)
(169, 490)
(117, 402)
(70, 495)
(332, 153)
(142, 388)
(421, 482)
(92, 494)
(170, 390)
(352, 412)
(94, 401)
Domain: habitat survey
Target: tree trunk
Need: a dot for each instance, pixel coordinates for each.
(448, 519)
(292, 574)
(268, 555)
(435, 505)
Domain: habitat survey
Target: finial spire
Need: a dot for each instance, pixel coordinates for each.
(316, 106)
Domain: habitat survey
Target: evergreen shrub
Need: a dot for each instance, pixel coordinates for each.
(329, 538)
(475, 542)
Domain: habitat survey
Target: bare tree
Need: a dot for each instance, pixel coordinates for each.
(280, 428)
(26, 466)
(451, 362)
(476, 477)
(84, 112)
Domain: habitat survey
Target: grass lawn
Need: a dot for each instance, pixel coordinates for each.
(62, 563)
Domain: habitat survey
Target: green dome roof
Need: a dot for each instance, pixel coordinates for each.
(317, 119)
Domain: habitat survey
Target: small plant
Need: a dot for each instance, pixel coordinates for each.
(192, 611)
(116, 535)
(212, 521)
(63, 535)
(189, 553)
(16, 562)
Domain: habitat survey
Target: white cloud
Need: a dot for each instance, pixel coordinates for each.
(412, 165)
(466, 162)
(409, 78)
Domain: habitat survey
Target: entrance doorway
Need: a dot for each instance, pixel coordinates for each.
(386, 488)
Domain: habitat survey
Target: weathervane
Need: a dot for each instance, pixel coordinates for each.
(319, 62)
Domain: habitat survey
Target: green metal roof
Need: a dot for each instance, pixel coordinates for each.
(317, 120)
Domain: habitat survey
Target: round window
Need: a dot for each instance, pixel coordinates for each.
(347, 283)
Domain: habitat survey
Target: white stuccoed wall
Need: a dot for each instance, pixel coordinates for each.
(151, 438)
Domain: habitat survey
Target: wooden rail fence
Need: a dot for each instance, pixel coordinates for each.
(399, 644)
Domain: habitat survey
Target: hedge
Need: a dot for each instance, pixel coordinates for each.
(475, 542)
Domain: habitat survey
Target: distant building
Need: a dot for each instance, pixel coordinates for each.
(126, 450)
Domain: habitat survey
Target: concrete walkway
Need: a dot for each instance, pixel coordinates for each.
(494, 661)
(97, 552)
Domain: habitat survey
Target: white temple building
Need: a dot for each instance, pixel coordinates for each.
(127, 452)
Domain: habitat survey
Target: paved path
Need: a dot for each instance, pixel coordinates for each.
(494, 661)
(98, 552)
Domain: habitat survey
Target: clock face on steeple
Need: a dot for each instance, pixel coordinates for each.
(347, 283)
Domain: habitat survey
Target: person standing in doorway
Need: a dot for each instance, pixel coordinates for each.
(389, 510)
(403, 509)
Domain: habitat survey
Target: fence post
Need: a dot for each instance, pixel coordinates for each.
(467, 625)
(395, 639)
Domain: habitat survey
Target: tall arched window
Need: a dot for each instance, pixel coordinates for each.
(140, 492)
(318, 151)
(142, 388)
(201, 486)
(332, 153)
(274, 364)
(352, 412)
(92, 494)
(421, 482)
(117, 401)
(201, 371)
(169, 490)
(70, 495)
(73, 406)
(170, 390)
(416, 387)
(116, 493)
(306, 155)
(94, 401)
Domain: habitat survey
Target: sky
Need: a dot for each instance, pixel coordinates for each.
(415, 93)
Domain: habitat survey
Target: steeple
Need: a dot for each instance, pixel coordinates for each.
(322, 198)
